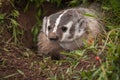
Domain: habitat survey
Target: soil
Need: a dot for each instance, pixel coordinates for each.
(14, 59)
(20, 63)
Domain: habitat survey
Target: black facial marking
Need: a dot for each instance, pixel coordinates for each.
(64, 29)
(79, 30)
(54, 17)
(72, 32)
(49, 28)
(66, 18)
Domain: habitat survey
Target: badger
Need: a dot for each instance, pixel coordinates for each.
(67, 30)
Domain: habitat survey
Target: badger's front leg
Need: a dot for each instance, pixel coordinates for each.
(47, 47)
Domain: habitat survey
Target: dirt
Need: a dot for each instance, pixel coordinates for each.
(20, 63)
(26, 22)
(12, 60)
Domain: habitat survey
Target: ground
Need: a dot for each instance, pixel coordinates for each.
(18, 63)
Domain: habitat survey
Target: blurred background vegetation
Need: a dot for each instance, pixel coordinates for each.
(10, 26)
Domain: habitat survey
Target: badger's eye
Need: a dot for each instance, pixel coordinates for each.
(64, 29)
(49, 28)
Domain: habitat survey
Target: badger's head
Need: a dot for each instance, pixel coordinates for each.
(68, 25)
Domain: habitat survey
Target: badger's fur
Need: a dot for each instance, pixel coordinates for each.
(68, 30)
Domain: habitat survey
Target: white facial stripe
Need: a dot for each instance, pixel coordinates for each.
(58, 21)
(67, 33)
(44, 25)
(48, 24)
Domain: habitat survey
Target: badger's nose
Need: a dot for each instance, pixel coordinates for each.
(53, 37)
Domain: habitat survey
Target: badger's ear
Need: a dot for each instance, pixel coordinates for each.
(82, 23)
(44, 24)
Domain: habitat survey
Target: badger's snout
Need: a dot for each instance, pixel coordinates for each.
(53, 36)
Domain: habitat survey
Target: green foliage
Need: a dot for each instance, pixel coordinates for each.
(112, 11)
(2, 16)
(40, 2)
(35, 30)
(13, 26)
(58, 2)
(74, 3)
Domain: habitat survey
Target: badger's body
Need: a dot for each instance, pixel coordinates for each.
(68, 30)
